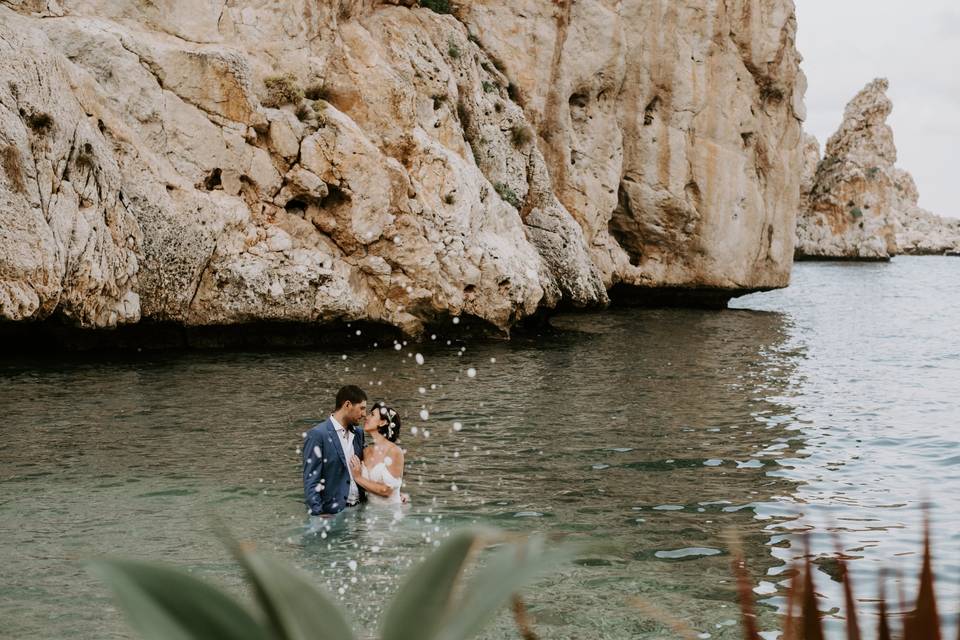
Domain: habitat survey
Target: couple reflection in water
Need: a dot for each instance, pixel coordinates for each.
(352, 457)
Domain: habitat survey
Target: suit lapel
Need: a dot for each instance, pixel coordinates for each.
(358, 442)
(336, 442)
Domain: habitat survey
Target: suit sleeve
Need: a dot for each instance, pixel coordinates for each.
(313, 470)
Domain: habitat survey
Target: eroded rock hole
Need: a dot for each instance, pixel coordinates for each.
(296, 206)
(213, 181)
(650, 111)
(335, 197)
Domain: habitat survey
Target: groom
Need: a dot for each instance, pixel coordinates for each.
(328, 485)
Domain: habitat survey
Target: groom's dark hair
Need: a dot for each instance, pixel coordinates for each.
(350, 393)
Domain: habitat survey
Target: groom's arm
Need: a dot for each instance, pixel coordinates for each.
(313, 471)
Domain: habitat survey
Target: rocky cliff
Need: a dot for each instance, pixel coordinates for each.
(225, 162)
(855, 202)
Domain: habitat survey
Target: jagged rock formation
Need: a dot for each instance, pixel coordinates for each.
(918, 231)
(206, 163)
(855, 203)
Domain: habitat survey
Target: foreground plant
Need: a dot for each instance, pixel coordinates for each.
(435, 602)
(803, 620)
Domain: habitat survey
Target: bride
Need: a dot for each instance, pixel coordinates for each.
(381, 471)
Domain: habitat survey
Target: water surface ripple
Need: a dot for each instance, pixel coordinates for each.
(649, 433)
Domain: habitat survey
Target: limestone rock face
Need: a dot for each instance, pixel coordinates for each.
(671, 130)
(211, 164)
(858, 204)
(68, 240)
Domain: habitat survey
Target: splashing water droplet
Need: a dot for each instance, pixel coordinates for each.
(352, 564)
(471, 373)
(424, 414)
(413, 430)
(422, 390)
(456, 320)
(454, 487)
(397, 347)
(457, 426)
(343, 357)
(419, 358)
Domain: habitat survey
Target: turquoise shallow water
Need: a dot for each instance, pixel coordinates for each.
(828, 406)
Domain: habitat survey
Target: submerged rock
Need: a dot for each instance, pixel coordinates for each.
(855, 202)
(370, 160)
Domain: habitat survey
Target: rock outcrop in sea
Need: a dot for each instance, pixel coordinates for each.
(208, 163)
(855, 202)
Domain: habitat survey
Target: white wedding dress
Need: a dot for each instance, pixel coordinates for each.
(380, 473)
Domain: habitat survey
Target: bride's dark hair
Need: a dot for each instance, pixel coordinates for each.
(390, 430)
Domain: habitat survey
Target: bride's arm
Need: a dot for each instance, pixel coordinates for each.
(396, 464)
(377, 488)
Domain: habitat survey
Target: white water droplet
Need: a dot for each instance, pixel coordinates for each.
(413, 430)
(424, 414)
(352, 564)
(471, 373)
(454, 487)
(343, 357)
(457, 426)
(422, 390)
(456, 320)
(419, 358)
(397, 347)
(388, 461)
(493, 361)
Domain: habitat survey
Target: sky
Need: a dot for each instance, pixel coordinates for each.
(916, 45)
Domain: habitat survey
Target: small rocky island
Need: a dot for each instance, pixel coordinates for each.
(855, 202)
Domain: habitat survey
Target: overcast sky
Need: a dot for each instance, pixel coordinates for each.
(847, 43)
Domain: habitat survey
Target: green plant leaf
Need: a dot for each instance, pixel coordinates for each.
(164, 603)
(510, 568)
(418, 609)
(296, 610)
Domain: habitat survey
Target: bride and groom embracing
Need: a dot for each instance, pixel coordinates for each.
(338, 471)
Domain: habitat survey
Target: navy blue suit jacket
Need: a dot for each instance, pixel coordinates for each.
(326, 478)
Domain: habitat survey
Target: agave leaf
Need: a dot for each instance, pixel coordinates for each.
(745, 596)
(164, 603)
(793, 596)
(883, 626)
(418, 608)
(853, 626)
(520, 616)
(509, 569)
(295, 609)
(924, 622)
(810, 625)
